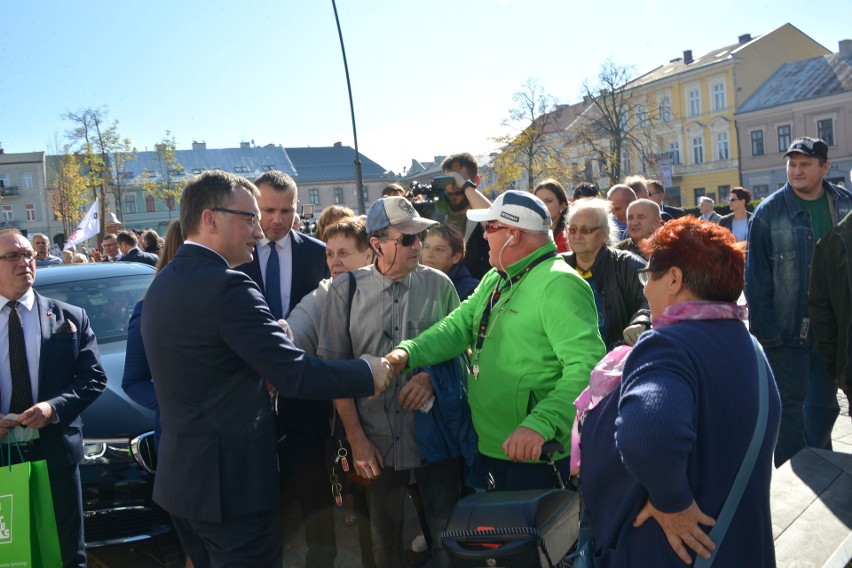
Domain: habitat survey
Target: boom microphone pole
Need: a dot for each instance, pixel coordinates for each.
(362, 208)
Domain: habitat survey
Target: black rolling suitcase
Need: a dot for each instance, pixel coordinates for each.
(513, 529)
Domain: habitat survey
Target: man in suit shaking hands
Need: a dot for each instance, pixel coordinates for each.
(50, 372)
(211, 343)
(287, 266)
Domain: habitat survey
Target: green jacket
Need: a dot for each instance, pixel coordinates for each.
(541, 344)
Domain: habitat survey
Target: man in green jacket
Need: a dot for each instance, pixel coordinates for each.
(532, 328)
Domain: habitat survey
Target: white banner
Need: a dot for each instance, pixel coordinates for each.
(88, 227)
(666, 175)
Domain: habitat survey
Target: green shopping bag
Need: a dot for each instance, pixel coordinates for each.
(28, 535)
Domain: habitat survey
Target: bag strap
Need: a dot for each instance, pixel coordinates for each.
(10, 437)
(352, 287)
(717, 535)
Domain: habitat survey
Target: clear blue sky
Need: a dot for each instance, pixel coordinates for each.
(429, 78)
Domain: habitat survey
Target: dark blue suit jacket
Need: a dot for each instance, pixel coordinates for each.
(70, 377)
(309, 267)
(137, 381)
(211, 342)
(136, 255)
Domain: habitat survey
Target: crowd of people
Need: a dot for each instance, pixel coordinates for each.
(432, 358)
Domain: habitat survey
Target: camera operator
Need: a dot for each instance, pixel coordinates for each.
(463, 167)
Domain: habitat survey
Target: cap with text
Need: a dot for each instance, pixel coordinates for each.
(515, 209)
(396, 212)
(812, 147)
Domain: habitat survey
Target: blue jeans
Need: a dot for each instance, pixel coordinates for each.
(809, 405)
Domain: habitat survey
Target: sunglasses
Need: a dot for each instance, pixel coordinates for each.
(494, 227)
(404, 240)
(583, 230)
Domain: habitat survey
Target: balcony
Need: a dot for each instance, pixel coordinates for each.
(11, 191)
(679, 170)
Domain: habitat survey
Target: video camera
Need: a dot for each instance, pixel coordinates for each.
(430, 201)
(309, 224)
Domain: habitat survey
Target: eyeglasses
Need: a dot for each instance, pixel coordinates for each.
(583, 230)
(494, 227)
(404, 240)
(644, 274)
(252, 217)
(16, 256)
(735, 199)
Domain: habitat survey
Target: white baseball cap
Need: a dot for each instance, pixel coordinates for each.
(515, 209)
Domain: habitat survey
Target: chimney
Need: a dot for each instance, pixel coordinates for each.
(844, 49)
(687, 56)
(199, 145)
(245, 145)
(338, 144)
(745, 38)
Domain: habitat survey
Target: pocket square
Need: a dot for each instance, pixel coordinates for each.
(67, 327)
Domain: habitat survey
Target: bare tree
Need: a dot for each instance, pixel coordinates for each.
(533, 149)
(618, 121)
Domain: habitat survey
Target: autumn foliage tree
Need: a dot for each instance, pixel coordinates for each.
(166, 180)
(67, 189)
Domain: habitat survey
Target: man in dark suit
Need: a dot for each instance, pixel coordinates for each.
(130, 252)
(657, 194)
(287, 266)
(51, 372)
(212, 342)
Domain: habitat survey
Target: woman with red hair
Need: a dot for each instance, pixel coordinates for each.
(659, 459)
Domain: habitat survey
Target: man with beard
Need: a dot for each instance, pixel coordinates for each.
(460, 198)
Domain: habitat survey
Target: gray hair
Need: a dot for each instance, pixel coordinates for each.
(601, 209)
(705, 199)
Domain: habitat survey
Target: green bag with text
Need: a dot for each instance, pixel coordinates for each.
(28, 535)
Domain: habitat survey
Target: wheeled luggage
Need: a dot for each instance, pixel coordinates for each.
(509, 529)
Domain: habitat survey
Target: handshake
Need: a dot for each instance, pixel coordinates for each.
(385, 368)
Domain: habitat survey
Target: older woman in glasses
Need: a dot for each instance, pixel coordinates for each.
(613, 274)
(660, 455)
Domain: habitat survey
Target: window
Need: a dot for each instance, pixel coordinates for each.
(267, 167)
(8, 213)
(365, 194)
(722, 151)
(699, 192)
(674, 148)
(698, 150)
(130, 203)
(666, 109)
(150, 204)
(757, 142)
(785, 136)
(314, 196)
(724, 192)
(760, 190)
(693, 97)
(4, 180)
(241, 169)
(31, 212)
(641, 116)
(626, 162)
(126, 175)
(338, 195)
(196, 171)
(623, 119)
(719, 96)
(26, 180)
(825, 130)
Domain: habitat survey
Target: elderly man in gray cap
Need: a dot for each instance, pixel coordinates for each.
(405, 428)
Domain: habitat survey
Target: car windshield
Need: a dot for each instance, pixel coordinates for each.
(108, 301)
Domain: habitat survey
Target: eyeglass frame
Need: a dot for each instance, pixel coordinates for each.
(644, 274)
(16, 256)
(254, 218)
(401, 241)
(583, 230)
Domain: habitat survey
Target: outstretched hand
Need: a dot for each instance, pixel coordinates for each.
(682, 529)
(397, 358)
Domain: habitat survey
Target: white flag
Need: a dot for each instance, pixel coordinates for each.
(88, 227)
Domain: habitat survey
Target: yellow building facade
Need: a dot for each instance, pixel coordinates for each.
(692, 141)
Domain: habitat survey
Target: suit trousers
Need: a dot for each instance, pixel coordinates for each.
(251, 541)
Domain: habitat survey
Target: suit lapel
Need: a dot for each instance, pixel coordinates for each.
(47, 318)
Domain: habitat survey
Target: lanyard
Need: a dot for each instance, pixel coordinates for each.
(495, 297)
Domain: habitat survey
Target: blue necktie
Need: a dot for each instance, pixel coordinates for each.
(273, 282)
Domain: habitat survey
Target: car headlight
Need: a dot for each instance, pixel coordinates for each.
(107, 451)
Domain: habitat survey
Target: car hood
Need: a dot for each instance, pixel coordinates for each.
(113, 414)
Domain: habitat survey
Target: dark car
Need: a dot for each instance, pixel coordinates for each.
(118, 464)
